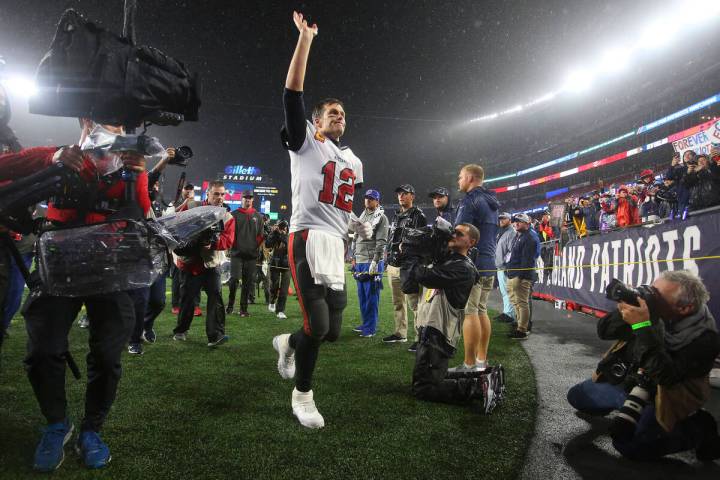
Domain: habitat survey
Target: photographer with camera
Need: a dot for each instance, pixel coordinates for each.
(277, 240)
(656, 373)
(48, 318)
(199, 270)
(446, 286)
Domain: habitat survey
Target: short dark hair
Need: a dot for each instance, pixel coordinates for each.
(216, 183)
(319, 107)
(472, 231)
(189, 186)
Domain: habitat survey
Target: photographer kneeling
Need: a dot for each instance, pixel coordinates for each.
(446, 286)
(656, 374)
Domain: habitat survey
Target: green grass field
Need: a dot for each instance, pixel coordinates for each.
(186, 411)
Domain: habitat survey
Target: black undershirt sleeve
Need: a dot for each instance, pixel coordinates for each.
(293, 132)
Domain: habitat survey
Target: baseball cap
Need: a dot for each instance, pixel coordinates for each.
(248, 194)
(405, 187)
(647, 173)
(521, 217)
(373, 194)
(438, 192)
(504, 215)
(189, 186)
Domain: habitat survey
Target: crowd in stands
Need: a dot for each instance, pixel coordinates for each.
(690, 183)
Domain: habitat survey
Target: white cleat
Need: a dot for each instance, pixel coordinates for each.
(305, 410)
(281, 315)
(286, 356)
(271, 307)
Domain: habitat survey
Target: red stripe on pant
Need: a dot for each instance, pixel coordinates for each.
(293, 273)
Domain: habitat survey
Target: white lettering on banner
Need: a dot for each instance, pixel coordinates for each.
(540, 269)
(629, 256)
(670, 237)
(563, 272)
(691, 242)
(571, 271)
(594, 261)
(615, 244)
(698, 142)
(641, 268)
(651, 256)
(605, 269)
(579, 275)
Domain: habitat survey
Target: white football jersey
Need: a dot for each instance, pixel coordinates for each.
(323, 178)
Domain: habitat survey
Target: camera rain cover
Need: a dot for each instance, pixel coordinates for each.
(104, 148)
(100, 258)
(187, 225)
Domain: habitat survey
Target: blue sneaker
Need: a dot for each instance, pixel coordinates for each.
(50, 452)
(92, 449)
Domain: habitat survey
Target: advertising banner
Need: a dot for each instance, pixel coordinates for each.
(635, 256)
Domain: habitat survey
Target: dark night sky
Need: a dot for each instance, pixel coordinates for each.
(408, 71)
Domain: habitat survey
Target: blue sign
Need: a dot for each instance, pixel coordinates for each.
(242, 170)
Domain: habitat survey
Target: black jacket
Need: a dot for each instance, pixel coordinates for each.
(278, 242)
(704, 187)
(455, 275)
(663, 366)
(411, 218)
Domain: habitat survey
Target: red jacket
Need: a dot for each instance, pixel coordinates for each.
(196, 264)
(25, 162)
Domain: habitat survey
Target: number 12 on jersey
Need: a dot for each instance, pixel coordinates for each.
(345, 191)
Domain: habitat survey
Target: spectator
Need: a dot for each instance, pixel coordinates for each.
(521, 274)
(369, 264)
(646, 197)
(504, 238)
(703, 181)
(408, 216)
(666, 196)
(248, 238)
(608, 215)
(441, 201)
(480, 209)
(545, 231)
(589, 214)
(277, 240)
(626, 207)
(199, 270)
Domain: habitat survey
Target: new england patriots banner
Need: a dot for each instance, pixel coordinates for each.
(636, 256)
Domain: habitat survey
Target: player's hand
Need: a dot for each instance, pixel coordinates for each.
(373, 268)
(71, 157)
(302, 25)
(133, 161)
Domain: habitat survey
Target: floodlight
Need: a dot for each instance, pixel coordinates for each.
(21, 86)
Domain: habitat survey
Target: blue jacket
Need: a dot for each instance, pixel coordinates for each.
(480, 208)
(525, 250)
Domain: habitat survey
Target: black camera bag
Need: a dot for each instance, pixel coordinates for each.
(93, 73)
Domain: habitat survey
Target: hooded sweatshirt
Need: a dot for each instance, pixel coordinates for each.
(480, 208)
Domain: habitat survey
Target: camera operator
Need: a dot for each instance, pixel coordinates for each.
(48, 318)
(446, 286)
(199, 269)
(409, 216)
(656, 373)
(277, 240)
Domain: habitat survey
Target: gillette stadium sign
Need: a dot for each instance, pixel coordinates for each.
(242, 173)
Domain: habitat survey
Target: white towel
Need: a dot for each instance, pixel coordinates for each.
(326, 257)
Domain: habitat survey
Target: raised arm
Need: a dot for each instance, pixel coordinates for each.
(296, 73)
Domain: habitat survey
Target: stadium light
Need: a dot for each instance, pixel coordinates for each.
(614, 60)
(577, 81)
(657, 34)
(21, 86)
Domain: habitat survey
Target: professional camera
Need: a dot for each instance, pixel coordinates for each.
(619, 292)
(182, 155)
(207, 237)
(427, 243)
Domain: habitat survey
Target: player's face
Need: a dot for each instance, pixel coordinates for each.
(332, 122)
(216, 195)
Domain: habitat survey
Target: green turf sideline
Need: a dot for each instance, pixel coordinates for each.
(186, 411)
